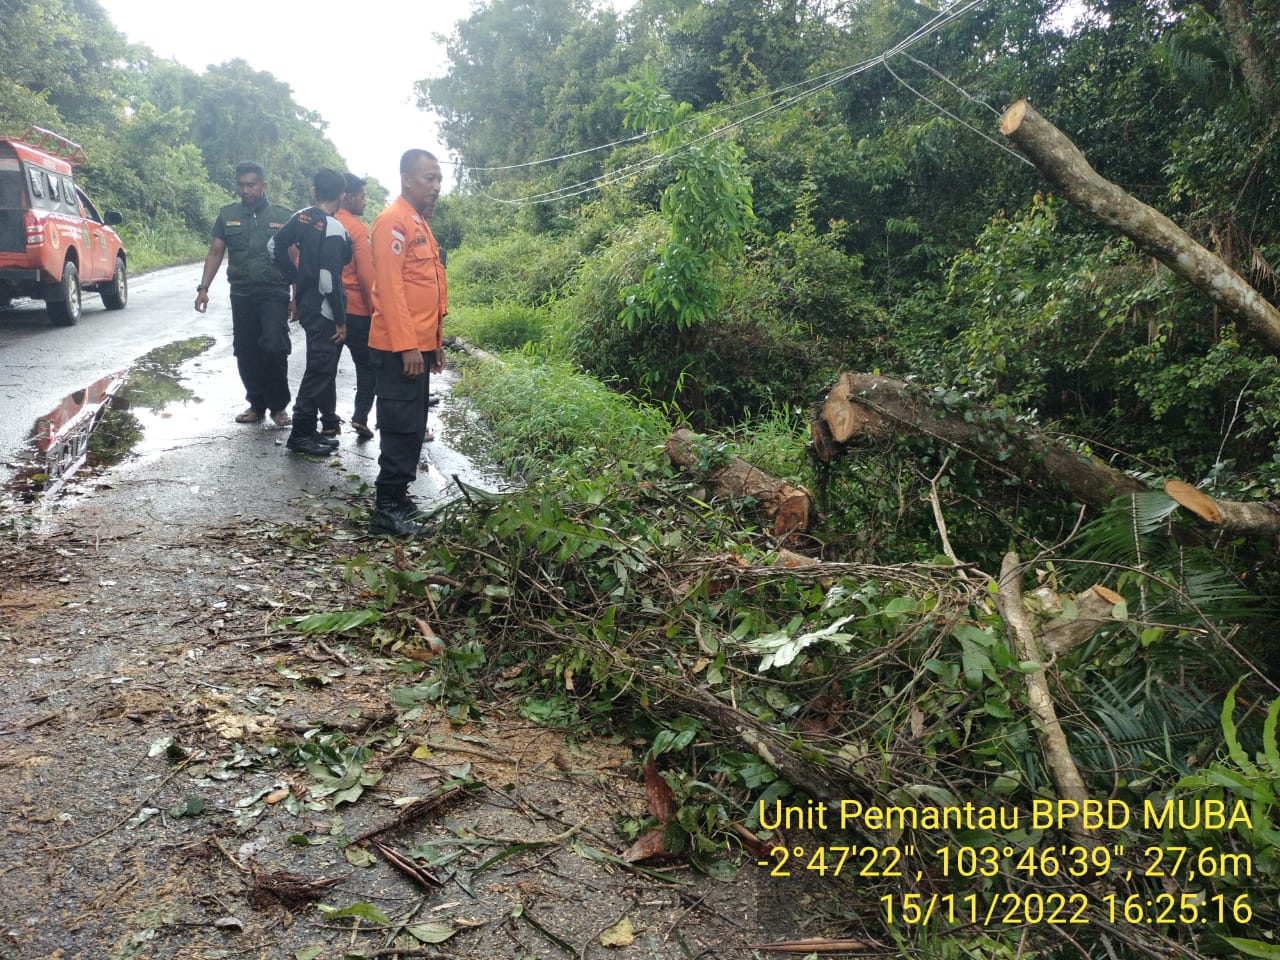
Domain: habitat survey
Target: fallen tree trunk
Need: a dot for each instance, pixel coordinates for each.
(1230, 516)
(786, 505)
(1065, 167)
(876, 407)
(472, 350)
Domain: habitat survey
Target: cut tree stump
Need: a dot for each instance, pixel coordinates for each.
(788, 507)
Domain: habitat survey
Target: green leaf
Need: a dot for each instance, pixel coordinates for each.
(1229, 733)
(1254, 948)
(337, 622)
(1270, 748)
(365, 911)
(720, 870)
(192, 807)
(430, 932)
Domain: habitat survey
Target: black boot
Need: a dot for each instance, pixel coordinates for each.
(312, 445)
(412, 510)
(391, 517)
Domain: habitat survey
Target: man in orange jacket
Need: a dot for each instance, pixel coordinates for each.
(357, 280)
(405, 338)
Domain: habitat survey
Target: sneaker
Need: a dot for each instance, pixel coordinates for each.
(361, 431)
(281, 418)
(330, 442)
(312, 446)
(392, 520)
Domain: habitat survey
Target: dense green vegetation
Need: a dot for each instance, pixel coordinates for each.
(751, 231)
(700, 212)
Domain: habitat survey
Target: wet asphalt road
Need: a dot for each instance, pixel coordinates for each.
(193, 465)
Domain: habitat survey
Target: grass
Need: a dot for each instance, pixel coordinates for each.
(544, 416)
(506, 325)
(161, 244)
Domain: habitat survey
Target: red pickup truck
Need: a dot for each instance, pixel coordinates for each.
(53, 241)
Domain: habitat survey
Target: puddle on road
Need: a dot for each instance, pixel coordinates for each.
(140, 410)
(96, 427)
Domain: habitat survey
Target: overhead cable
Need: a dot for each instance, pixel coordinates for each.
(811, 86)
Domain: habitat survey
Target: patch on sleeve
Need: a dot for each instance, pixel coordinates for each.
(397, 241)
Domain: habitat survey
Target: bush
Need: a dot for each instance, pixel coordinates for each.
(161, 243)
(500, 326)
(521, 268)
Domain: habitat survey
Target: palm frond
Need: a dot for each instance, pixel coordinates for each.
(1140, 728)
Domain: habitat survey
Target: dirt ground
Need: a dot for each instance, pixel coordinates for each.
(151, 807)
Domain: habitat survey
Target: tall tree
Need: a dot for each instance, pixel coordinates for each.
(247, 114)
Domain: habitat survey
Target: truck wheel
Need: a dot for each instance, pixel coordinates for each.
(64, 311)
(116, 293)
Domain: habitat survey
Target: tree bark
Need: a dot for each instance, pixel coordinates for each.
(1062, 163)
(1095, 608)
(879, 407)
(1230, 516)
(1057, 754)
(1235, 21)
(787, 506)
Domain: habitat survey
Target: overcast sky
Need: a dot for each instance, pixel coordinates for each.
(368, 102)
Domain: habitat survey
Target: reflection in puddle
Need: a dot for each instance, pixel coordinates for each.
(96, 426)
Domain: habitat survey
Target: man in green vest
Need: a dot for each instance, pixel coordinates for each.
(259, 295)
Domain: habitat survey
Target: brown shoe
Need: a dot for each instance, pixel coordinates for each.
(281, 418)
(249, 416)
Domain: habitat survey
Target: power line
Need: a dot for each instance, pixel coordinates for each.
(810, 87)
(964, 123)
(945, 79)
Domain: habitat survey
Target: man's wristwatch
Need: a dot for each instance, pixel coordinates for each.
(201, 288)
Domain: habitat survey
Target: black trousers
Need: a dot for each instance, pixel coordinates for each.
(318, 390)
(260, 341)
(358, 344)
(402, 420)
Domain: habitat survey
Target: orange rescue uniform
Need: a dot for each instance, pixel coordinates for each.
(409, 295)
(357, 275)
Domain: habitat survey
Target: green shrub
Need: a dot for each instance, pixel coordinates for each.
(543, 415)
(519, 268)
(161, 243)
(500, 326)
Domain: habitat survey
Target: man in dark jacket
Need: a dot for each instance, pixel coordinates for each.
(259, 295)
(323, 249)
